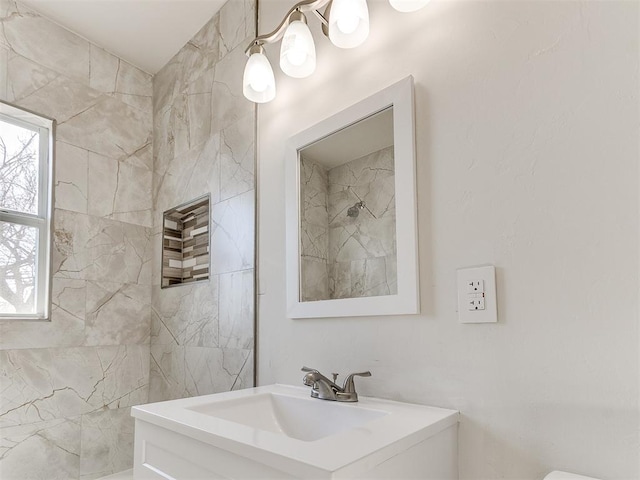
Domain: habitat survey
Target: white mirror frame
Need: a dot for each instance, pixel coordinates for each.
(407, 300)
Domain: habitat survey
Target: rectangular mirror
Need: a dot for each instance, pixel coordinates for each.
(351, 211)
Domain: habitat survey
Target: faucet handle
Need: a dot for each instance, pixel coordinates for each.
(349, 384)
(307, 369)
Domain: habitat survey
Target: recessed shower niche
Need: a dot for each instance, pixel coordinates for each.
(185, 243)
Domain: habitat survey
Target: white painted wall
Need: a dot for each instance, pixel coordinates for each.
(527, 125)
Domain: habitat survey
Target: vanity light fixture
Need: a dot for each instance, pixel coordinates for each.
(345, 22)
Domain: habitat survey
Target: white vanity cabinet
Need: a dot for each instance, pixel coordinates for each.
(278, 432)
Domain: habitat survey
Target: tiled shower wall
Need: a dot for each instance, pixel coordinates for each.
(362, 250)
(343, 256)
(202, 334)
(66, 385)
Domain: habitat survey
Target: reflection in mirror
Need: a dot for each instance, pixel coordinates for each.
(347, 212)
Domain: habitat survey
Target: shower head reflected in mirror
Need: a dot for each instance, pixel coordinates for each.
(355, 210)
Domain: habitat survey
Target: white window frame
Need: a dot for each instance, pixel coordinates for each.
(43, 220)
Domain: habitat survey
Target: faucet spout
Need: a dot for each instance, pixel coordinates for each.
(325, 389)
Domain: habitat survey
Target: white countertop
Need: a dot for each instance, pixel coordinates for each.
(348, 452)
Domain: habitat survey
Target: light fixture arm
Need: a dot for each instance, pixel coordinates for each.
(278, 33)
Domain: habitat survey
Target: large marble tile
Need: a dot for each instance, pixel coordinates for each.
(66, 327)
(186, 314)
(46, 384)
(71, 167)
(45, 42)
(314, 207)
(362, 171)
(189, 176)
(119, 191)
(314, 241)
(99, 249)
(313, 175)
(237, 158)
(314, 280)
(112, 75)
(110, 128)
(49, 93)
(235, 24)
(198, 109)
(373, 238)
(228, 102)
(107, 443)
(237, 310)
(163, 144)
(178, 372)
(117, 314)
(340, 280)
(379, 196)
(232, 237)
(47, 450)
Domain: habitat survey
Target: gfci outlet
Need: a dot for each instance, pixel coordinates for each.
(477, 295)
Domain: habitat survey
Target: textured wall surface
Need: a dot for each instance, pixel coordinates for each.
(202, 334)
(527, 158)
(66, 385)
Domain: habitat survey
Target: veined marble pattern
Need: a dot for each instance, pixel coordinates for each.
(44, 450)
(45, 384)
(363, 240)
(344, 256)
(178, 372)
(44, 42)
(71, 178)
(237, 157)
(49, 373)
(112, 75)
(117, 314)
(202, 334)
(186, 315)
(195, 173)
(236, 305)
(113, 195)
(94, 248)
(107, 443)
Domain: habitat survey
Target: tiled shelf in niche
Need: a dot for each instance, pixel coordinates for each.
(185, 243)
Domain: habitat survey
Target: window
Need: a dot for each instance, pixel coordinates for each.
(26, 143)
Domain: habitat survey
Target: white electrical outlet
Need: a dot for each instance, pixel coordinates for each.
(475, 286)
(477, 295)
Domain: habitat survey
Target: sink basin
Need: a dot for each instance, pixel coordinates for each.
(305, 419)
(279, 431)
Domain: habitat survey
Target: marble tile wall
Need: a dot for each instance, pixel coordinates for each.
(66, 386)
(314, 231)
(345, 256)
(202, 334)
(362, 249)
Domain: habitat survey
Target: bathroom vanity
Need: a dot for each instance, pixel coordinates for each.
(279, 432)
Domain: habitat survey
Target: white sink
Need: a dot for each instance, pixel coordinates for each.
(305, 419)
(278, 431)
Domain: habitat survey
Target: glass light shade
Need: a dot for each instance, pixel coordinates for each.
(258, 82)
(348, 23)
(408, 5)
(298, 52)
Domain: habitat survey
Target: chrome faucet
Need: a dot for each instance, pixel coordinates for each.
(325, 389)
